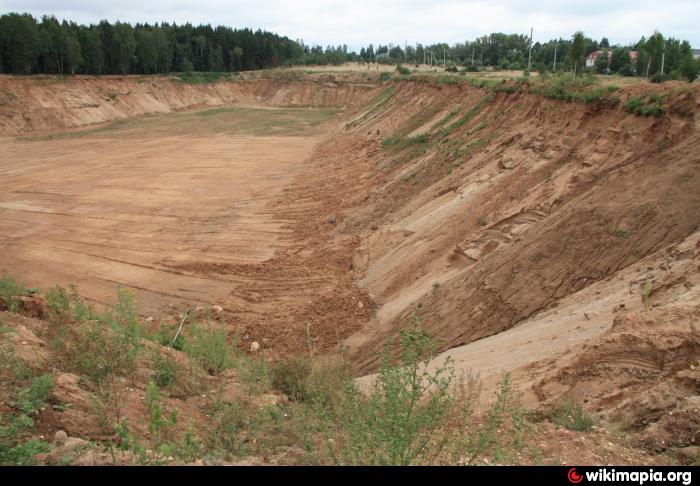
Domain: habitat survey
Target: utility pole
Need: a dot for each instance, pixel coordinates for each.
(663, 58)
(472, 55)
(555, 57)
(529, 54)
(444, 59)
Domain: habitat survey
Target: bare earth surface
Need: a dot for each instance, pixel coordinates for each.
(102, 211)
(557, 241)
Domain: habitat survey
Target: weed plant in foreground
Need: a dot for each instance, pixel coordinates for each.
(255, 406)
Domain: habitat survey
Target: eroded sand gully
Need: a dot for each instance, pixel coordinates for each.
(101, 212)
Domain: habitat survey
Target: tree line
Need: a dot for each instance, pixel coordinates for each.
(29, 45)
(656, 54)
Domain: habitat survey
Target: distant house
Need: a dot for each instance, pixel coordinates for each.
(696, 53)
(591, 58)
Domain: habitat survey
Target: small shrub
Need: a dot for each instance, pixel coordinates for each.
(10, 289)
(32, 399)
(28, 402)
(627, 70)
(621, 233)
(649, 105)
(210, 347)
(291, 375)
(58, 300)
(504, 414)
(192, 77)
(658, 78)
(165, 370)
(255, 373)
(227, 436)
(395, 423)
(402, 70)
(161, 423)
(110, 344)
(165, 333)
(571, 416)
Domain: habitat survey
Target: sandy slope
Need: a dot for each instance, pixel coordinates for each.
(513, 226)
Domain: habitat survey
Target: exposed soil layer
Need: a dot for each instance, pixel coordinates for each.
(552, 239)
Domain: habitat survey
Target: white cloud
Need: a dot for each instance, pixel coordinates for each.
(358, 22)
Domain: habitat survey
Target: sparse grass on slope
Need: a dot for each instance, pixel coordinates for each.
(409, 415)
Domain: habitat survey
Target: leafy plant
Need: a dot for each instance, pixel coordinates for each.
(290, 376)
(503, 413)
(210, 346)
(645, 105)
(10, 289)
(160, 422)
(395, 423)
(165, 370)
(571, 415)
(28, 402)
(621, 233)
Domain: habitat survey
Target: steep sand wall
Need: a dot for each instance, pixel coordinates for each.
(38, 104)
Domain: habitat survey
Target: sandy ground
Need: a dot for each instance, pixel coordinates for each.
(116, 207)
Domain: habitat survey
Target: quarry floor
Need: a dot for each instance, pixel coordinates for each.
(149, 203)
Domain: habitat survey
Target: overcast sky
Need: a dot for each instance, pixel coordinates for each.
(359, 22)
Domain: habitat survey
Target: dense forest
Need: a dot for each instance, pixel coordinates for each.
(47, 45)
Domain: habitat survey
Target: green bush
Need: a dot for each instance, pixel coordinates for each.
(571, 416)
(165, 370)
(32, 399)
(689, 69)
(58, 300)
(402, 70)
(111, 343)
(645, 105)
(10, 289)
(395, 422)
(290, 376)
(192, 77)
(28, 402)
(227, 435)
(626, 70)
(160, 423)
(210, 346)
(503, 429)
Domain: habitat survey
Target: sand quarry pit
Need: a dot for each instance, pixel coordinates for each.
(128, 210)
(186, 208)
(333, 210)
